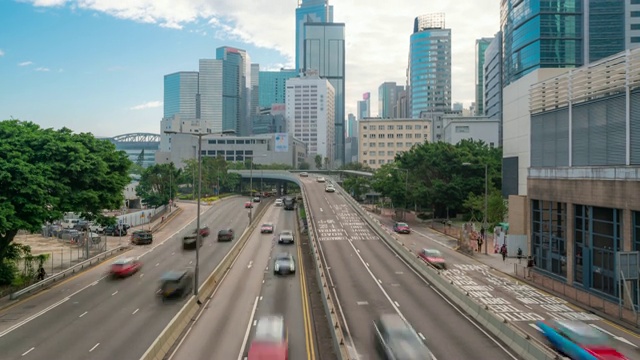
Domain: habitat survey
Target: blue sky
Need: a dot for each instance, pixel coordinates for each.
(98, 65)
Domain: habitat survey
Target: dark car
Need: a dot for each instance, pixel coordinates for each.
(284, 264)
(266, 228)
(396, 339)
(82, 225)
(175, 284)
(141, 237)
(204, 231)
(189, 242)
(434, 258)
(225, 235)
(401, 228)
(113, 230)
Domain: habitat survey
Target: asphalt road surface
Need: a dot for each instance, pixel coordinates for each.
(119, 319)
(369, 279)
(509, 298)
(225, 329)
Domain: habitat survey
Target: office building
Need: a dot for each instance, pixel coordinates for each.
(310, 113)
(352, 126)
(236, 94)
(270, 120)
(138, 146)
(309, 11)
(401, 108)
(210, 90)
(254, 94)
(351, 149)
(492, 82)
(477, 128)
(387, 99)
(364, 106)
(381, 139)
(430, 65)
(272, 86)
(481, 47)
(324, 51)
(181, 94)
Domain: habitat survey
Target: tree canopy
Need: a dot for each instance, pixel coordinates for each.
(45, 173)
(158, 184)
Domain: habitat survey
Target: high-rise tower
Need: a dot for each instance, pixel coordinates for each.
(309, 11)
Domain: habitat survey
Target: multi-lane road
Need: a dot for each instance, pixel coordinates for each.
(225, 329)
(92, 317)
(369, 279)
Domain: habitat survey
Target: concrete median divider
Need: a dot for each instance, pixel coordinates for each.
(518, 341)
(328, 300)
(189, 312)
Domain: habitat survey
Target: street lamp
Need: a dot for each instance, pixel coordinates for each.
(486, 200)
(198, 237)
(251, 184)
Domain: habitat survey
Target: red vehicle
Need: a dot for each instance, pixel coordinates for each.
(248, 205)
(204, 231)
(124, 267)
(266, 228)
(270, 340)
(574, 338)
(401, 228)
(434, 258)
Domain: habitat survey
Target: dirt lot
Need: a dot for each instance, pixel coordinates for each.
(39, 244)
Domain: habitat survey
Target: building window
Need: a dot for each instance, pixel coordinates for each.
(389, 136)
(399, 144)
(409, 136)
(389, 144)
(409, 127)
(390, 153)
(399, 127)
(418, 127)
(549, 236)
(380, 127)
(380, 136)
(389, 127)
(372, 144)
(364, 127)
(372, 161)
(380, 153)
(364, 136)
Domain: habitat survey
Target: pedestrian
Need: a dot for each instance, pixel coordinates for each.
(503, 251)
(480, 242)
(41, 273)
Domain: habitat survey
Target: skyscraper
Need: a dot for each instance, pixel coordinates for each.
(430, 65)
(386, 99)
(309, 11)
(492, 82)
(236, 80)
(352, 126)
(481, 47)
(364, 106)
(273, 86)
(324, 51)
(210, 89)
(181, 94)
(254, 94)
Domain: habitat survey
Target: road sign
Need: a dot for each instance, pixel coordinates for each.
(628, 263)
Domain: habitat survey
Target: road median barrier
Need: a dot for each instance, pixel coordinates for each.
(189, 312)
(516, 340)
(328, 301)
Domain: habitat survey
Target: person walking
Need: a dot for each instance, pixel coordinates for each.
(503, 251)
(41, 273)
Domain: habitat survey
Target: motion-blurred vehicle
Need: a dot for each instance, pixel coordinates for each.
(248, 205)
(189, 241)
(396, 339)
(270, 340)
(141, 237)
(575, 339)
(304, 174)
(434, 258)
(124, 267)
(175, 284)
(225, 235)
(284, 264)
(279, 202)
(256, 199)
(321, 179)
(204, 231)
(266, 228)
(289, 203)
(401, 228)
(286, 237)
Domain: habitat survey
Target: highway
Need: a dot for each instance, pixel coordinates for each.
(519, 303)
(369, 279)
(224, 330)
(117, 319)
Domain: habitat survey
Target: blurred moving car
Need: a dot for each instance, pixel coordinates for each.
(329, 188)
(256, 199)
(396, 339)
(175, 284)
(304, 174)
(284, 264)
(286, 237)
(434, 258)
(140, 237)
(204, 231)
(270, 340)
(124, 267)
(401, 228)
(578, 340)
(321, 179)
(225, 235)
(279, 202)
(189, 242)
(248, 205)
(266, 228)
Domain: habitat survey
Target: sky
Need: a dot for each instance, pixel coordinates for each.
(98, 65)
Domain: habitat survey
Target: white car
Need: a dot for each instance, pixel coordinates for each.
(286, 237)
(279, 202)
(329, 188)
(321, 179)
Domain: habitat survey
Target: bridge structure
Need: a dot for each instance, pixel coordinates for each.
(136, 144)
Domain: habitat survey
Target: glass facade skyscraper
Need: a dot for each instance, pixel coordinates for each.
(387, 96)
(273, 85)
(481, 46)
(492, 81)
(606, 35)
(181, 95)
(309, 11)
(364, 106)
(430, 65)
(210, 88)
(236, 79)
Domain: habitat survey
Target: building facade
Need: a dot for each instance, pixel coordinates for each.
(310, 113)
(481, 46)
(387, 99)
(352, 126)
(236, 92)
(181, 94)
(364, 106)
(430, 65)
(381, 139)
(138, 146)
(309, 11)
(477, 128)
(273, 85)
(492, 83)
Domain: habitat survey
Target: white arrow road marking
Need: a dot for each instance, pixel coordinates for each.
(619, 338)
(535, 327)
(321, 210)
(250, 265)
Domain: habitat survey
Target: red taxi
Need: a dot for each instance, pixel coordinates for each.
(434, 258)
(401, 228)
(270, 340)
(248, 205)
(266, 228)
(125, 267)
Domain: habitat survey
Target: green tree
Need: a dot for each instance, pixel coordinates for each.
(318, 160)
(356, 186)
(45, 173)
(140, 160)
(304, 166)
(391, 182)
(496, 208)
(356, 166)
(158, 184)
(326, 163)
(136, 169)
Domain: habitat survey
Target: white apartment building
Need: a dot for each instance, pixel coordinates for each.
(310, 113)
(381, 139)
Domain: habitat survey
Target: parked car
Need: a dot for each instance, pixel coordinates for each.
(204, 231)
(434, 258)
(95, 238)
(248, 205)
(578, 340)
(141, 237)
(124, 267)
(286, 237)
(175, 284)
(266, 228)
(189, 242)
(113, 230)
(69, 223)
(96, 228)
(256, 199)
(401, 228)
(225, 235)
(304, 174)
(396, 339)
(284, 264)
(279, 202)
(82, 225)
(270, 339)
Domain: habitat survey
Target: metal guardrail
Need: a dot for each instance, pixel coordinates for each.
(173, 332)
(330, 308)
(518, 341)
(66, 273)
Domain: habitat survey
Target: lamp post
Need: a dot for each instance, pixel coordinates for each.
(251, 185)
(486, 200)
(198, 237)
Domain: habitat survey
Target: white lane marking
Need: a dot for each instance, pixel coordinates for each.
(250, 265)
(114, 293)
(380, 281)
(263, 281)
(266, 269)
(83, 314)
(141, 275)
(619, 338)
(260, 298)
(93, 283)
(421, 336)
(395, 302)
(362, 303)
(157, 264)
(535, 327)
(33, 317)
(321, 210)
(94, 347)
(255, 322)
(399, 273)
(190, 262)
(28, 351)
(246, 334)
(367, 264)
(173, 253)
(133, 313)
(528, 307)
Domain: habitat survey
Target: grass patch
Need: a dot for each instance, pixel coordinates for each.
(303, 213)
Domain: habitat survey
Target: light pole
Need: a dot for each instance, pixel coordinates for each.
(198, 237)
(486, 200)
(251, 185)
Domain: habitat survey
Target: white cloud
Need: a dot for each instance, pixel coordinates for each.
(1, 52)
(147, 105)
(44, 69)
(25, 63)
(377, 33)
